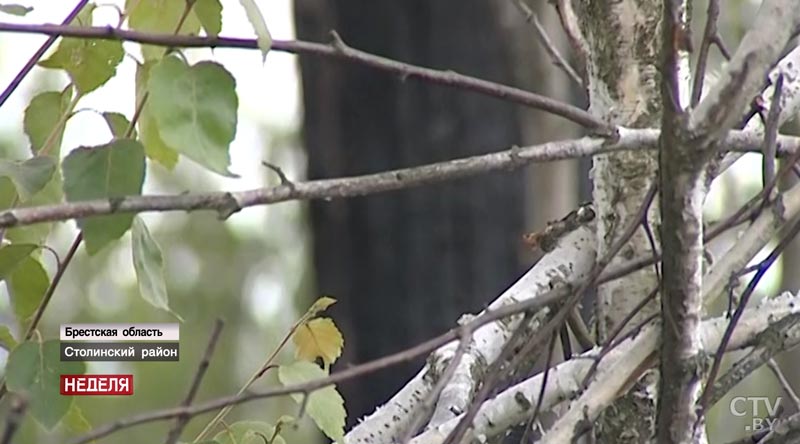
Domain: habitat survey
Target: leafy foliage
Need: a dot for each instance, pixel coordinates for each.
(181, 109)
(325, 406)
(34, 369)
(160, 16)
(43, 120)
(89, 63)
(26, 287)
(195, 110)
(154, 146)
(109, 171)
(29, 176)
(263, 36)
(149, 265)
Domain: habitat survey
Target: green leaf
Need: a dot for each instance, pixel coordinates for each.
(11, 256)
(29, 176)
(118, 124)
(154, 146)
(7, 340)
(195, 110)
(159, 16)
(34, 369)
(325, 406)
(210, 14)
(89, 63)
(248, 432)
(75, 421)
(149, 266)
(110, 171)
(15, 9)
(84, 17)
(51, 194)
(263, 36)
(26, 287)
(42, 116)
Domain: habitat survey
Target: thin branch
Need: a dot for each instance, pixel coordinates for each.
(53, 284)
(743, 78)
(771, 133)
(569, 21)
(751, 286)
(228, 203)
(336, 49)
(780, 336)
(787, 387)
(181, 421)
(710, 36)
(38, 54)
(558, 60)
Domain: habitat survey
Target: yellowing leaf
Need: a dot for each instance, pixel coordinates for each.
(319, 306)
(318, 338)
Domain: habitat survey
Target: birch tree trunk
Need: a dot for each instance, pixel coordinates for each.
(622, 40)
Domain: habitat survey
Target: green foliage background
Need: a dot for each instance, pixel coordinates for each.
(252, 273)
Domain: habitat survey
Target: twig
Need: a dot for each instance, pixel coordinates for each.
(38, 54)
(558, 60)
(771, 134)
(569, 21)
(710, 35)
(776, 370)
(539, 399)
(337, 49)
(181, 421)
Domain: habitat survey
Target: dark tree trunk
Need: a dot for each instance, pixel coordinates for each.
(404, 265)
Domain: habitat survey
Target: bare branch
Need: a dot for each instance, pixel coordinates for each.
(181, 421)
(338, 50)
(558, 60)
(227, 203)
(710, 36)
(617, 368)
(744, 76)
